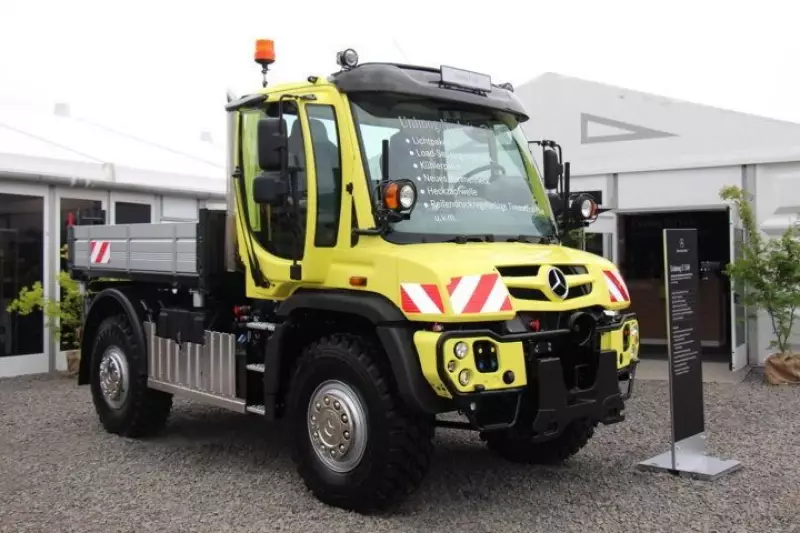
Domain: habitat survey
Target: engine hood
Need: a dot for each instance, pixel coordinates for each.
(493, 281)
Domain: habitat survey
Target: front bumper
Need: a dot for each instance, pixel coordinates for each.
(537, 384)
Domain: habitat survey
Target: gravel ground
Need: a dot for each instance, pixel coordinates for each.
(215, 471)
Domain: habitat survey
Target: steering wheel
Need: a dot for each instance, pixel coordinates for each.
(483, 168)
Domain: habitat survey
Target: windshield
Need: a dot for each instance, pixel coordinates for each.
(468, 164)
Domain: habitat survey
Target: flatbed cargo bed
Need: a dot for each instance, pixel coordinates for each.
(185, 252)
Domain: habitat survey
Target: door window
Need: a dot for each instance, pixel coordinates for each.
(275, 228)
(327, 163)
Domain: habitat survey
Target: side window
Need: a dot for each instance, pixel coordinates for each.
(272, 226)
(327, 162)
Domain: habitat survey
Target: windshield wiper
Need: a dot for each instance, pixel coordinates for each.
(463, 239)
(531, 239)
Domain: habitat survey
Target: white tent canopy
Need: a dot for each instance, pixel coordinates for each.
(605, 129)
(54, 146)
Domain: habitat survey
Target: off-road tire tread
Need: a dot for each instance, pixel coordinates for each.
(521, 450)
(149, 409)
(411, 437)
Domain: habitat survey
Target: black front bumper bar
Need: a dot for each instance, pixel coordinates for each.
(555, 406)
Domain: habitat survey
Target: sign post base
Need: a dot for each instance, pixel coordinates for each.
(688, 458)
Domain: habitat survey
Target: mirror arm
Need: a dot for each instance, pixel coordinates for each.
(565, 197)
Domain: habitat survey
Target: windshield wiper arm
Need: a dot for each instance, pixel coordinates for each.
(530, 239)
(463, 239)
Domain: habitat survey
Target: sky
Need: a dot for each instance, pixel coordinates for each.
(162, 68)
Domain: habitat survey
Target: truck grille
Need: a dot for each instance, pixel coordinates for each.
(523, 285)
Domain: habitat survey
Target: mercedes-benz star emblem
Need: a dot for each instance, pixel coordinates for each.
(558, 283)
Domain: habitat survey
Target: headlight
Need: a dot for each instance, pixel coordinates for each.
(399, 195)
(461, 349)
(407, 196)
(587, 208)
(347, 58)
(583, 206)
(463, 377)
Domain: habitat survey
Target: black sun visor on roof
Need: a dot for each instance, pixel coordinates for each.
(447, 83)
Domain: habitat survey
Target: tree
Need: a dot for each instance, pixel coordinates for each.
(769, 270)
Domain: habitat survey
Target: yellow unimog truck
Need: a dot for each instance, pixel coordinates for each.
(390, 261)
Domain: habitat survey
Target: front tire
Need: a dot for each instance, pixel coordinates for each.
(118, 381)
(355, 444)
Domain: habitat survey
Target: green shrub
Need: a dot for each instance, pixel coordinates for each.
(769, 270)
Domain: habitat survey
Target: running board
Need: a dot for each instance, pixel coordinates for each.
(206, 373)
(232, 404)
(257, 409)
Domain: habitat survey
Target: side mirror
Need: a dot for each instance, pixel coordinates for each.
(552, 169)
(270, 189)
(272, 143)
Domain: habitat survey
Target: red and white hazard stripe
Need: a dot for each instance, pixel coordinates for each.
(617, 290)
(99, 252)
(421, 298)
(479, 294)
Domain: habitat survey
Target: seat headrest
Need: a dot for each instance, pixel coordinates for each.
(318, 129)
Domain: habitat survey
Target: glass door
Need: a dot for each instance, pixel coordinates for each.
(738, 324)
(75, 208)
(599, 236)
(22, 266)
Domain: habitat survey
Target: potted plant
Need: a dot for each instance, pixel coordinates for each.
(769, 271)
(63, 318)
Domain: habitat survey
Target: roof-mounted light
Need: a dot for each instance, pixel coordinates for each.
(265, 52)
(465, 79)
(265, 56)
(347, 59)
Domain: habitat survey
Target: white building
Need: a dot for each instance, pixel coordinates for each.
(56, 169)
(659, 162)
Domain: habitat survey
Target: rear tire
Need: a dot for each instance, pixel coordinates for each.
(118, 381)
(518, 448)
(374, 452)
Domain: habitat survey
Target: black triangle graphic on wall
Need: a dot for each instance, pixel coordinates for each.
(634, 133)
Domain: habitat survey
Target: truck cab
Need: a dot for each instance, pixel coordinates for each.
(390, 253)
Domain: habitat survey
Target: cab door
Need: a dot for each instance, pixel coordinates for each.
(272, 238)
(329, 214)
(306, 235)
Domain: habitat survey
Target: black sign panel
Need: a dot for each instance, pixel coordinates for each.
(681, 268)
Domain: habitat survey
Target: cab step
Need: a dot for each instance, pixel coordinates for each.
(262, 326)
(256, 367)
(257, 409)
